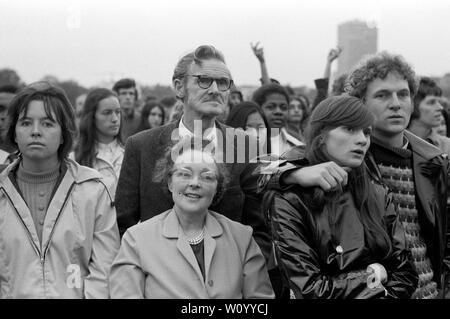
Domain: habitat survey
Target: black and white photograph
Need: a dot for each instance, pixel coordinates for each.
(208, 151)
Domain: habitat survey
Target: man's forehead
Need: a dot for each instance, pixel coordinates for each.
(393, 81)
(212, 67)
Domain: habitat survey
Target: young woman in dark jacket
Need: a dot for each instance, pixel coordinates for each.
(345, 243)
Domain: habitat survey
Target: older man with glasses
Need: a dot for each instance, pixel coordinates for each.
(202, 83)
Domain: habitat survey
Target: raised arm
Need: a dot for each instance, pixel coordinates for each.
(259, 53)
(332, 55)
(322, 84)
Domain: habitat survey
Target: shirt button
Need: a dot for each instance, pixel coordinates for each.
(339, 249)
(211, 283)
(41, 208)
(41, 222)
(42, 193)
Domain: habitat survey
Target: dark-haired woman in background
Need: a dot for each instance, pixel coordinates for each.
(249, 117)
(152, 116)
(348, 242)
(298, 116)
(100, 144)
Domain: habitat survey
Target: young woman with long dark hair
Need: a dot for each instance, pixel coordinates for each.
(249, 117)
(347, 242)
(152, 116)
(100, 144)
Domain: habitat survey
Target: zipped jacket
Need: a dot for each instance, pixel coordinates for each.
(80, 238)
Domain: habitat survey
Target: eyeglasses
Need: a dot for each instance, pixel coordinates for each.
(186, 175)
(204, 82)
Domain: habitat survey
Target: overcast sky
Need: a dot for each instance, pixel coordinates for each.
(95, 40)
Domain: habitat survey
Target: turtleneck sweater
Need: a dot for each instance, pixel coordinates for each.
(37, 189)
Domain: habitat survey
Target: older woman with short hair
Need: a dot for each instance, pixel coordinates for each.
(190, 251)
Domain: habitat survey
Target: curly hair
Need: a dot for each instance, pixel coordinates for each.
(261, 94)
(164, 166)
(379, 66)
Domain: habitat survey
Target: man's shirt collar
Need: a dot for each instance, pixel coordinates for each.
(183, 131)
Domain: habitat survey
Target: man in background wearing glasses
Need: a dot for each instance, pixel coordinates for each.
(202, 83)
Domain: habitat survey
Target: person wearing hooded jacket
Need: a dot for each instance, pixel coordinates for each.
(58, 229)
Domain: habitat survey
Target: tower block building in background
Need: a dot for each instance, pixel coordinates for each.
(357, 39)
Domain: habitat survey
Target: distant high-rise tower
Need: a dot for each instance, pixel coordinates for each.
(357, 39)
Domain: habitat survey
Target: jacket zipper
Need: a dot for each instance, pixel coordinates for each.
(51, 234)
(57, 219)
(42, 255)
(36, 248)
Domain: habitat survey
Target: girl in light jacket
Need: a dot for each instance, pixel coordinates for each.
(58, 230)
(100, 144)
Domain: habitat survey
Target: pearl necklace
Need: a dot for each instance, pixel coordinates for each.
(197, 239)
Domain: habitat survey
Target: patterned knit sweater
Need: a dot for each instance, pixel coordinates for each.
(396, 169)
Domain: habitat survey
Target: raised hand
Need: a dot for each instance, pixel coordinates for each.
(258, 51)
(334, 54)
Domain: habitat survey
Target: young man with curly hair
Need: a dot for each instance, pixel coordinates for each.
(414, 170)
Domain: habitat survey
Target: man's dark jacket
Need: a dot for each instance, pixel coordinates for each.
(139, 198)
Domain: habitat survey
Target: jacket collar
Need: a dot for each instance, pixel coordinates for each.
(75, 173)
(422, 155)
(421, 147)
(79, 173)
(172, 228)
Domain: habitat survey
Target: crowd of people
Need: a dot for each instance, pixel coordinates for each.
(209, 195)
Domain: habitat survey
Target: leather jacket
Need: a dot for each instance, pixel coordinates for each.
(431, 170)
(323, 254)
